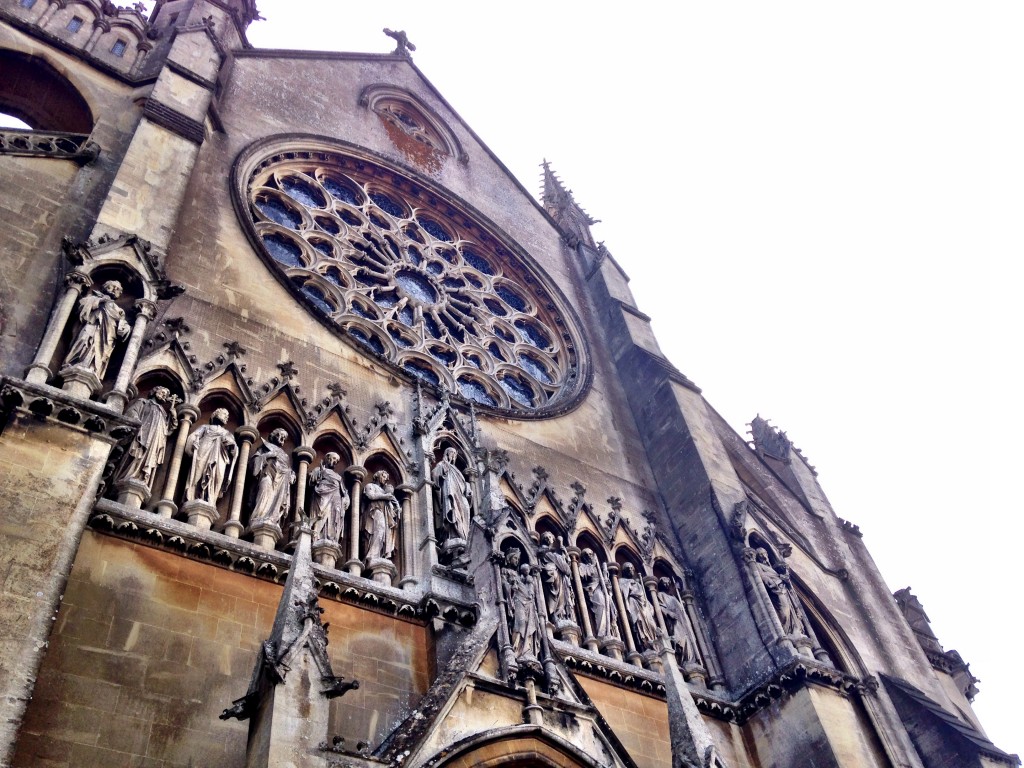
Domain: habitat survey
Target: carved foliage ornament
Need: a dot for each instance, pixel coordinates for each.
(415, 280)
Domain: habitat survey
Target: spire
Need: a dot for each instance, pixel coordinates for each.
(563, 208)
(293, 673)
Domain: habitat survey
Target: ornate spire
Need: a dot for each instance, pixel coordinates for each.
(563, 208)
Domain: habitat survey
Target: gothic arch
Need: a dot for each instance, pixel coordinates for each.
(35, 92)
(516, 747)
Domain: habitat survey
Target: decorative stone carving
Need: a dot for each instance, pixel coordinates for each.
(676, 623)
(556, 576)
(147, 449)
(517, 585)
(272, 468)
(639, 609)
(770, 440)
(599, 595)
(330, 502)
(403, 45)
(102, 324)
(454, 503)
(380, 522)
(213, 450)
(779, 591)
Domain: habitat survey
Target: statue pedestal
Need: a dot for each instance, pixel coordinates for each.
(381, 571)
(453, 552)
(326, 552)
(80, 382)
(265, 535)
(695, 673)
(612, 646)
(653, 662)
(201, 514)
(132, 493)
(568, 632)
(233, 528)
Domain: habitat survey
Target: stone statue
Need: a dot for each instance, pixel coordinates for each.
(213, 451)
(455, 496)
(778, 589)
(403, 45)
(380, 520)
(103, 323)
(146, 452)
(556, 575)
(330, 500)
(638, 607)
(676, 623)
(524, 620)
(272, 468)
(598, 595)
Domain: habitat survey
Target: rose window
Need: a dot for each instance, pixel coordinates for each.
(415, 280)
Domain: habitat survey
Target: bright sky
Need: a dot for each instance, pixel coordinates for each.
(817, 204)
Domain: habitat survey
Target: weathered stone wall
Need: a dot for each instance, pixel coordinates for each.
(640, 722)
(149, 647)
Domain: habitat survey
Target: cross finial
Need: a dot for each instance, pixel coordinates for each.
(404, 45)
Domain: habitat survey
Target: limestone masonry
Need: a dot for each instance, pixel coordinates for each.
(322, 443)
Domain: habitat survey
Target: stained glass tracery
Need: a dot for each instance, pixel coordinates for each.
(413, 279)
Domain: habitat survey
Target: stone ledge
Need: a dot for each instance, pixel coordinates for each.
(46, 403)
(240, 556)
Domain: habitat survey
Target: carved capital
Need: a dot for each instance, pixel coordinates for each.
(304, 454)
(187, 413)
(359, 473)
(146, 308)
(247, 434)
(404, 491)
(77, 281)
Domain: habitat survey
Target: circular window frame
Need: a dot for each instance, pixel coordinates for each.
(271, 153)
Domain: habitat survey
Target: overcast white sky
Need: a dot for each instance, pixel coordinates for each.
(818, 204)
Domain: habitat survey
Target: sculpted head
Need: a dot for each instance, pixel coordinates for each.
(588, 555)
(219, 416)
(762, 556)
(278, 436)
(331, 459)
(547, 539)
(628, 571)
(450, 454)
(381, 477)
(512, 557)
(665, 584)
(524, 571)
(113, 289)
(160, 394)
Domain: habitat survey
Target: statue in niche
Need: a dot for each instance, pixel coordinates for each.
(595, 584)
(380, 521)
(638, 607)
(676, 623)
(330, 500)
(556, 576)
(455, 496)
(779, 592)
(213, 451)
(272, 468)
(103, 323)
(148, 448)
(521, 607)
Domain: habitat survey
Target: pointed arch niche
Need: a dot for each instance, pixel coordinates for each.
(413, 127)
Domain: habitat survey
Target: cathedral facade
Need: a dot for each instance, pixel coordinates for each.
(322, 443)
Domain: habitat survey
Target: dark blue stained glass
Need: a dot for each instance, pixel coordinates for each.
(393, 247)
(361, 311)
(474, 281)
(432, 327)
(413, 233)
(505, 334)
(421, 372)
(477, 392)
(495, 352)
(279, 213)
(495, 307)
(399, 338)
(435, 268)
(476, 261)
(350, 218)
(334, 275)
(532, 334)
(473, 360)
(517, 390)
(511, 298)
(453, 281)
(316, 296)
(435, 230)
(386, 204)
(386, 300)
(448, 255)
(328, 225)
(342, 192)
(534, 367)
(414, 255)
(367, 340)
(416, 286)
(405, 315)
(445, 356)
(303, 191)
(379, 221)
(285, 252)
(323, 246)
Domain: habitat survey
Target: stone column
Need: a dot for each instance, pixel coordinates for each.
(408, 545)
(703, 643)
(354, 565)
(305, 456)
(118, 397)
(99, 26)
(652, 657)
(48, 13)
(627, 630)
(581, 600)
(75, 282)
(186, 415)
(233, 527)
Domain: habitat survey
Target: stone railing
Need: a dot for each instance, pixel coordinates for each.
(64, 146)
